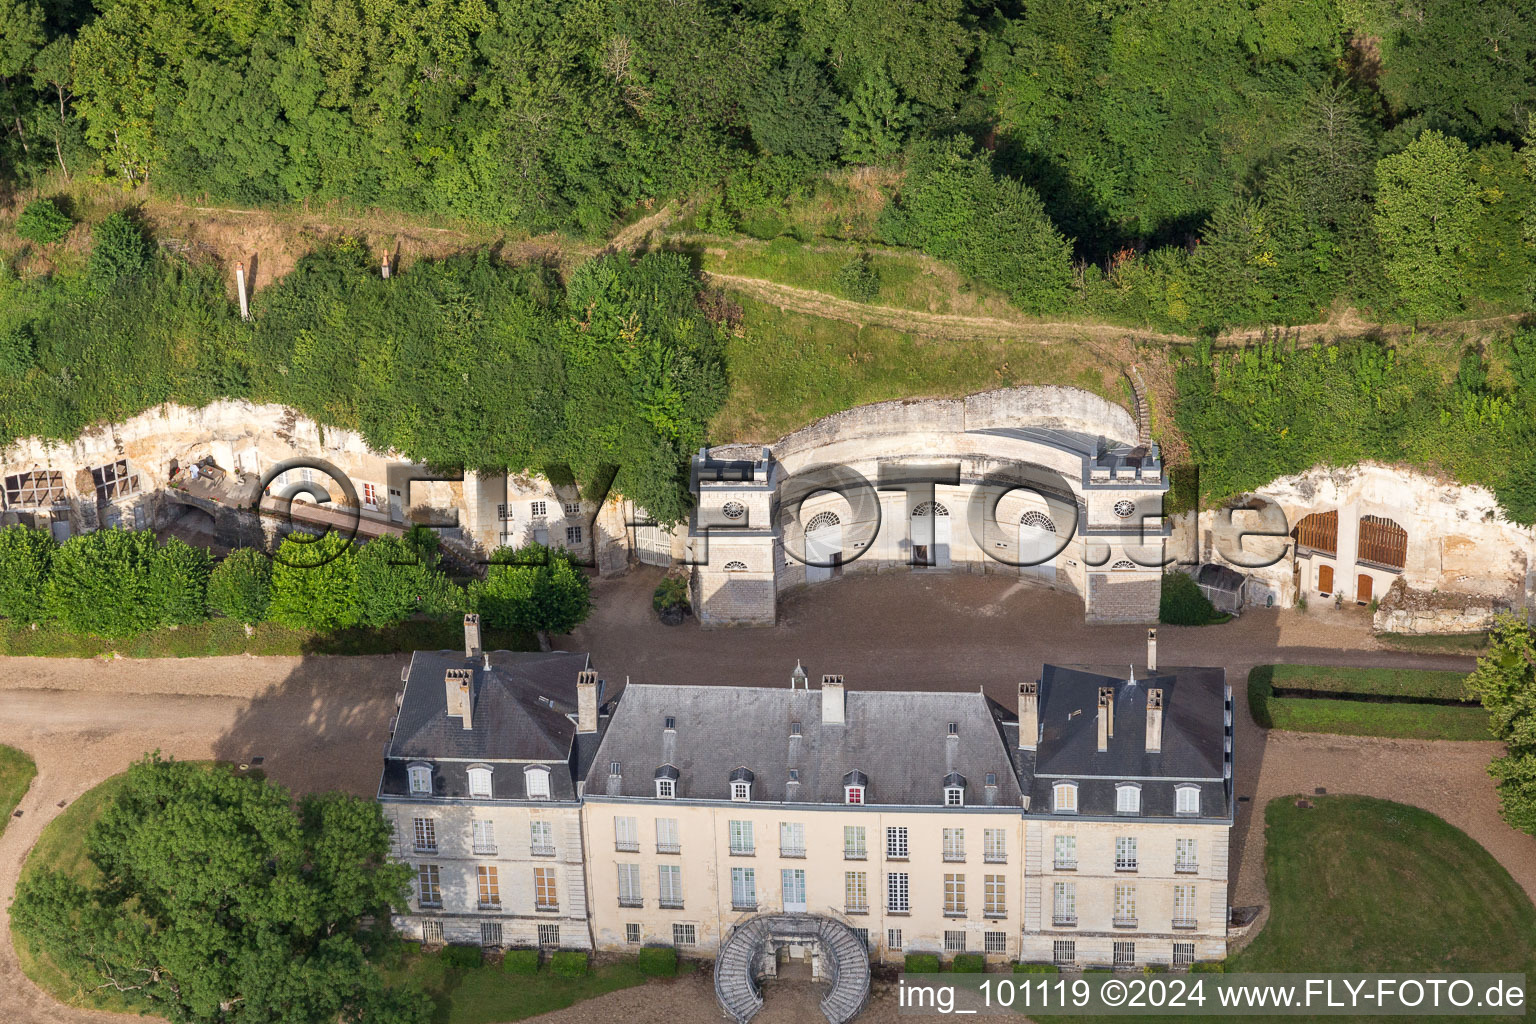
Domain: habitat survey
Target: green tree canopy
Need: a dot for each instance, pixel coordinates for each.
(534, 588)
(398, 578)
(1426, 204)
(1505, 682)
(26, 555)
(220, 901)
(240, 586)
(314, 583)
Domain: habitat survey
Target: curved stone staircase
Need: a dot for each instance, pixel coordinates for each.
(844, 961)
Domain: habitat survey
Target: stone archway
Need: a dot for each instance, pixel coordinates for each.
(843, 959)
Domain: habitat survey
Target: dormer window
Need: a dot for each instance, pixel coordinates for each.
(669, 723)
(991, 778)
(421, 778)
(666, 782)
(536, 781)
(854, 784)
(1187, 800)
(954, 728)
(615, 768)
(794, 728)
(954, 790)
(1127, 798)
(479, 781)
(741, 784)
(1064, 798)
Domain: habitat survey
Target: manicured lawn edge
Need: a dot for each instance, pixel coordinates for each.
(1360, 718)
(1386, 682)
(221, 637)
(17, 771)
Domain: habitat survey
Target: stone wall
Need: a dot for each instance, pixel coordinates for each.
(1406, 610)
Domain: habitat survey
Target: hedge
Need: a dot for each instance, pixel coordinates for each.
(1208, 967)
(969, 963)
(1036, 969)
(463, 957)
(657, 961)
(569, 964)
(1406, 683)
(521, 961)
(922, 963)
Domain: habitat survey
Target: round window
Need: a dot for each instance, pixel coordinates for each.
(734, 510)
(1125, 509)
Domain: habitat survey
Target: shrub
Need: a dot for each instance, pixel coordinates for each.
(657, 961)
(25, 557)
(922, 963)
(100, 583)
(178, 583)
(314, 583)
(1261, 690)
(858, 279)
(672, 593)
(969, 963)
(533, 587)
(1208, 967)
(1183, 603)
(521, 961)
(569, 964)
(462, 957)
(398, 578)
(1036, 969)
(241, 585)
(119, 251)
(42, 221)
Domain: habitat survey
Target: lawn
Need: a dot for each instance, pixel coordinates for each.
(489, 994)
(16, 773)
(789, 369)
(1359, 884)
(226, 636)
(1360, 717)
(1447, 643)
(62, 848)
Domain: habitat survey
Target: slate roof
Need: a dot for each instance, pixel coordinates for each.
(1195, 740)
(900, 741)
(523, 712)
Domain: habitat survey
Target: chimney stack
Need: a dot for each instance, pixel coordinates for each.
(245, 309)
(1152, 650)
(1029, 715)
(1106, 716)
(586, 700)
(832, 700)
(1154, 721)
(459, 685)
(471, 636)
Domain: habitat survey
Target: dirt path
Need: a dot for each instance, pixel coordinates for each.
(959, 327)
(317, 722)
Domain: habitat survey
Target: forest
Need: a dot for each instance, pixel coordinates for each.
(1174, 163)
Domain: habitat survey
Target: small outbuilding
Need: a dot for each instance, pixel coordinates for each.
(1222, 586)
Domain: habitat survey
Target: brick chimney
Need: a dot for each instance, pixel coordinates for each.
(471, 635)
(586, 700)
(833, 700)
(1106, 716)
(1029, 715)
(1152, 650)
(1154, 720)
(459, 686)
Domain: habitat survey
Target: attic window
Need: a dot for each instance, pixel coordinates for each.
(954, 790)
(794, 728)
(1188, 800)
(479, 781)
(1065, 798)
(537, 783)
(615, 768)
(794, 775)
(991, 778)
(854, 784)
(670, 723)
(741, 791)
(1127, 798)
(666, 789)
(421, 778)
(954, 728)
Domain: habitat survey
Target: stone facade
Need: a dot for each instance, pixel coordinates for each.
(1034, 482)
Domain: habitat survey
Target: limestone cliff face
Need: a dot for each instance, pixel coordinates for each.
(1458, 539)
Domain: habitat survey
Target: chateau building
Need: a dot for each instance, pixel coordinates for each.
(1088, 828)
(480, 783)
